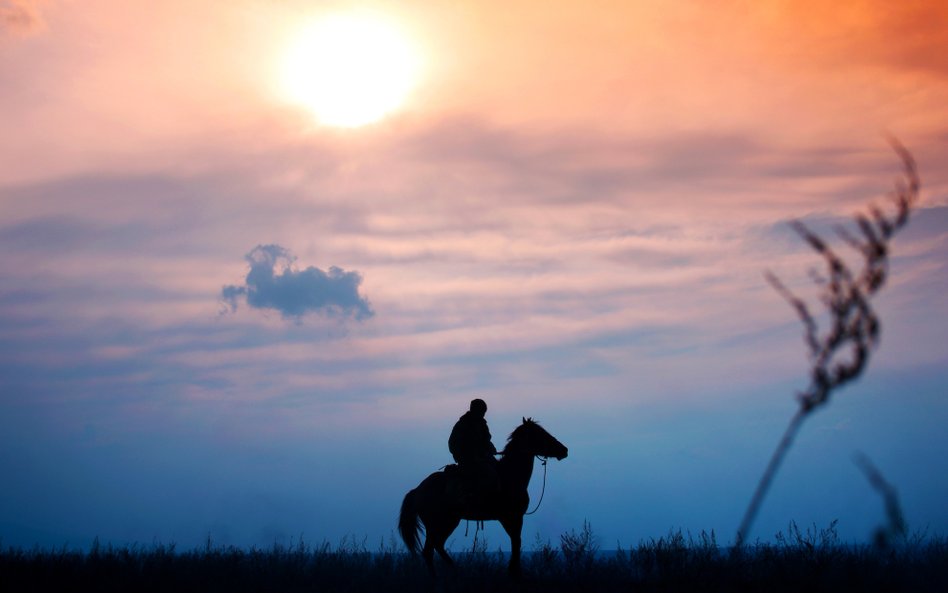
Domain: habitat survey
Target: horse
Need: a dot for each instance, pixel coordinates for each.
(431, 504)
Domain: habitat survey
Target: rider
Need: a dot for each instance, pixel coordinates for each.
(473, 450)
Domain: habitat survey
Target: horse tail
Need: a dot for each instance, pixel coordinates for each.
(408, 524)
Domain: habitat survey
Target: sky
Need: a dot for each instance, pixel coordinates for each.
(221, 318)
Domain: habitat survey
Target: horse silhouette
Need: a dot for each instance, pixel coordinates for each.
(433, 506)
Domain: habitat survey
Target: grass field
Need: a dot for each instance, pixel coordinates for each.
(799, 560)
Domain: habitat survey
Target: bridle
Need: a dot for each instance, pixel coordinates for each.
(543, 460)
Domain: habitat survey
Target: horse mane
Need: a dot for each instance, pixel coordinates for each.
(518, 431)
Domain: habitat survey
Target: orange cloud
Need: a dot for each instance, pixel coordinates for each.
(20, 17)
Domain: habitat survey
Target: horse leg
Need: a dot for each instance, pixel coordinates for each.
(513, 525)
(438, 529)
(444, 555)
(441, 537)
(427, 553)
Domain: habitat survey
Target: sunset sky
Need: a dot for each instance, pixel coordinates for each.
(223, 314)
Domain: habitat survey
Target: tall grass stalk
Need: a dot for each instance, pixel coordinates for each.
(895, 528)
(841, 353)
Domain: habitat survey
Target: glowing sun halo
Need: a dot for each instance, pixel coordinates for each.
(349, 70)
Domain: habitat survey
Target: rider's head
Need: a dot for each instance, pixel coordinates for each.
(479, 407)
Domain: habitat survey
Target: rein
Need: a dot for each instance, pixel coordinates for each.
(543, 491)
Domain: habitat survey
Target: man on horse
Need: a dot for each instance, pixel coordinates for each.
(470, 444)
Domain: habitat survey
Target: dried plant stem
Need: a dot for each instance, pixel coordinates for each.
(841, 353)
(775, 460)
(895, 528)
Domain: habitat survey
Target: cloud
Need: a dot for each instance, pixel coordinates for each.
(294, 293)
(20, 16)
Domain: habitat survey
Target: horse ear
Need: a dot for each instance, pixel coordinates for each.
(524, 419)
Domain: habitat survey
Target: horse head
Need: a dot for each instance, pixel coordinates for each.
(533, 439)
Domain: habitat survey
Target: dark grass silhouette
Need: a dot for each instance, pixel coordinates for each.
(432, 506)
(809, 559)
(840, 354)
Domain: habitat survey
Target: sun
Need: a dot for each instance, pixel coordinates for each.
(349, 69)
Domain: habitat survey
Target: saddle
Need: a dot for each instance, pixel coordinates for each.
(455, 487)
(467, 490)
